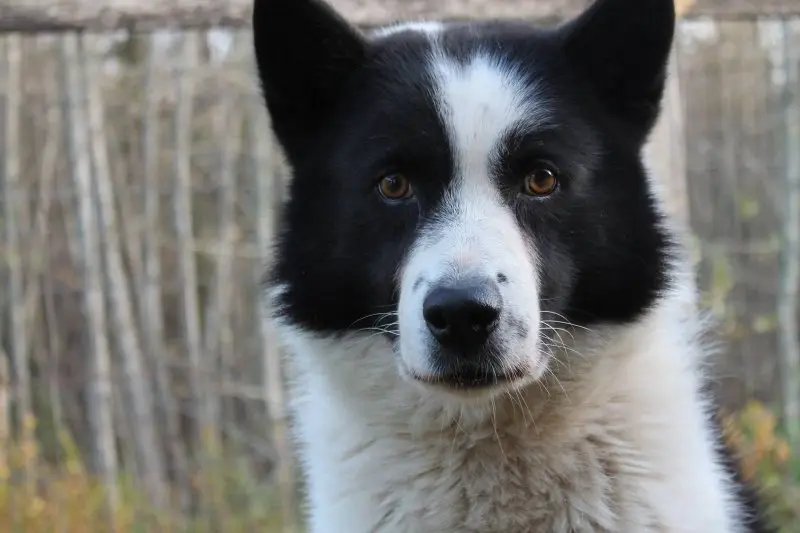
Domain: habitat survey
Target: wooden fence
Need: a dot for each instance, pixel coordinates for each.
(139, 185)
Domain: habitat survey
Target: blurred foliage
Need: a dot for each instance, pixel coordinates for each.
(767, 460)
(67, 498)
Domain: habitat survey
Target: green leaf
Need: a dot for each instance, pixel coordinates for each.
(749, 208)
(765, 323)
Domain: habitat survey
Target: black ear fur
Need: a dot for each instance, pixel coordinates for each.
(622, 48)
(305, 53)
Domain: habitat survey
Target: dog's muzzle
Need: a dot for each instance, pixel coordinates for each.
(462, 316)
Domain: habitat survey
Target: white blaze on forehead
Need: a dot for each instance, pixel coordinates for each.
(479, 102)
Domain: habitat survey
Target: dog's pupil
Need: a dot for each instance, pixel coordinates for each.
(542, 177)
(393, 184)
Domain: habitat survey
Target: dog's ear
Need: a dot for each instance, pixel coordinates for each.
(305, 52)
(622, 48)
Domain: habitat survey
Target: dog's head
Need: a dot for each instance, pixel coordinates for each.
(466, 188)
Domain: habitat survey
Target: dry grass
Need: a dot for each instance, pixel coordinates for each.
(67, 498)
(768, 459)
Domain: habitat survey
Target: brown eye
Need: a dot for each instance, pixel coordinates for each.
(395, 187)
(542, 181)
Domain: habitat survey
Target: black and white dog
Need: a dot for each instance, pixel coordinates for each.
(491, 325)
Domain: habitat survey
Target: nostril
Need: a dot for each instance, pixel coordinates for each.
(435, 317)
(484, 317)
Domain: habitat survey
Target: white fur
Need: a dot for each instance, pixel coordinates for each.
(614, 437)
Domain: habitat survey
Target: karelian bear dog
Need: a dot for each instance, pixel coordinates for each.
(490, 324)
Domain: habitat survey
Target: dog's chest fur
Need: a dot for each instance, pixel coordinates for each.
(513, 481)
(605, 453)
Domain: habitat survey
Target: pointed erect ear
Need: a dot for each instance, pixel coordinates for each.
(305, 53)
(622, 49)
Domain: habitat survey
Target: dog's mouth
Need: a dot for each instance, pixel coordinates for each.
(471, 379)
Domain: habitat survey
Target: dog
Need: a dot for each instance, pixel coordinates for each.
(490, 323)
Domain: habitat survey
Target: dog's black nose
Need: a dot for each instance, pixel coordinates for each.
(463, 313)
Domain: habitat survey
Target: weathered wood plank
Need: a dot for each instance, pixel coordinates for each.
(745, 8)
(91, 15)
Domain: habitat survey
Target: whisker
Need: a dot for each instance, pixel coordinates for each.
(558, 382)
(565, 320)
(379, 315)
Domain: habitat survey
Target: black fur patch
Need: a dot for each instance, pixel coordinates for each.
(346, 110)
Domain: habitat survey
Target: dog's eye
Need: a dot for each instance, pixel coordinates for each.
(543, 180)
(395, 187)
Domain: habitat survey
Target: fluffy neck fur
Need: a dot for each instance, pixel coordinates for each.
(617, 439)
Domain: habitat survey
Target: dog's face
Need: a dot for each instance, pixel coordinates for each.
(467, 189)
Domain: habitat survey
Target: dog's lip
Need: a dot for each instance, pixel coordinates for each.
(482, 380)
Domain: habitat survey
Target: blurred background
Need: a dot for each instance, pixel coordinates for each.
(140, 391)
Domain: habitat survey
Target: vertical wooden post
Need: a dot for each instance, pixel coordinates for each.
(666, 151)
(789, 282)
